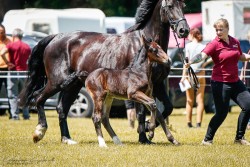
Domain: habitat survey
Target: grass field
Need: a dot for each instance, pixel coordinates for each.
(18, 149)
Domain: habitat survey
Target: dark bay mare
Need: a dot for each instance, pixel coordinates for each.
(133, 83)
(57, 62)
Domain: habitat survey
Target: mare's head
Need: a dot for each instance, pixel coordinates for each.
(154, 52)
(171, 12)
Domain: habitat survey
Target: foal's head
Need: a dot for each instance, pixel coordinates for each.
(155, 52)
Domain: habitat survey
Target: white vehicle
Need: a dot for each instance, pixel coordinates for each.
(237, 12)
(53, 21)
(117, 25)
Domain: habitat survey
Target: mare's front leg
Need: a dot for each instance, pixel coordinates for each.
(66, 98)
(141, 116)
(150, 104)
(106, 123)
(162, 100)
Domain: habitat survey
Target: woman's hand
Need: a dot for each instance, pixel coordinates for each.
(10, 65)
(187, 65)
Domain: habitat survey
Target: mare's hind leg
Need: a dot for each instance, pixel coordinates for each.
(66, 98)
(106, 123)
(40, 99)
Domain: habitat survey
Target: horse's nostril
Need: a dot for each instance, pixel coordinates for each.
(183, 32)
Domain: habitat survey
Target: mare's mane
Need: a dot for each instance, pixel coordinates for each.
(135, 59)
(143, 14)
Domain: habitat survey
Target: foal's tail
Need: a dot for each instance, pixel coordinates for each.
(36, 72)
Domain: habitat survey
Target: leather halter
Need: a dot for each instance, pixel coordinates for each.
(173, 23)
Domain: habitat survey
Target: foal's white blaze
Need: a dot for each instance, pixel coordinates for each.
(101, 142)
(116, 140)
(40, 131)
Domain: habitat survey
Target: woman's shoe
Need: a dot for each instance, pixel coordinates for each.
(242, 141)
(189, 124)
(207, 143)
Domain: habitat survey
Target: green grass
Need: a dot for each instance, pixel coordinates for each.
(18, 149)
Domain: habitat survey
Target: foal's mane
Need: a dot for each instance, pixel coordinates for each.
(143, 14)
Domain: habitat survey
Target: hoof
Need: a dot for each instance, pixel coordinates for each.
(116, 140)
(151, 135)
(39, 133)
(103, 146)
(175, 142)
(68, 141)
(101, 142)
(143, 139)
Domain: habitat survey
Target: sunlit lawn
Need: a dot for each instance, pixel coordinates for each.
(18, 149)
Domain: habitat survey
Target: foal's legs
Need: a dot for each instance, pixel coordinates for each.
(97, 117)
(106, 123)
(167, 132)
(164, 105)
(66, 98)
(150, 104)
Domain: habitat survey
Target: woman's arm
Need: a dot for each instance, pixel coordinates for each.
(196, 59)
(2, 54)
(245, 57)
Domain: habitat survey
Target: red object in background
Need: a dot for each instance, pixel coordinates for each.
(194, 20)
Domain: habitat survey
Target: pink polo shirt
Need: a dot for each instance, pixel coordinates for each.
(225, 57)
(19, 53)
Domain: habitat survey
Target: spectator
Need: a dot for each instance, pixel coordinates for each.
(4, 40)
(242, 77)
(18, 55)
(226, 52)
(131, 112)
(193, 48)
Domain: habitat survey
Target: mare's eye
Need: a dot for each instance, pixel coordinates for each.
(170, 6)
(149, 40)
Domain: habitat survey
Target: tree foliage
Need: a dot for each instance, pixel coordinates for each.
(109, 7)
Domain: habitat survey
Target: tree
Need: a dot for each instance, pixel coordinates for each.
(110, 7)
(9, 4)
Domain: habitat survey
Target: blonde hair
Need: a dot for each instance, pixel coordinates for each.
(221, 21)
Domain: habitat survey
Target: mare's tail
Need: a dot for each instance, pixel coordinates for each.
(36, 72)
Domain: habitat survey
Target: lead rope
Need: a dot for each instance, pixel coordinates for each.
(191, 74)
